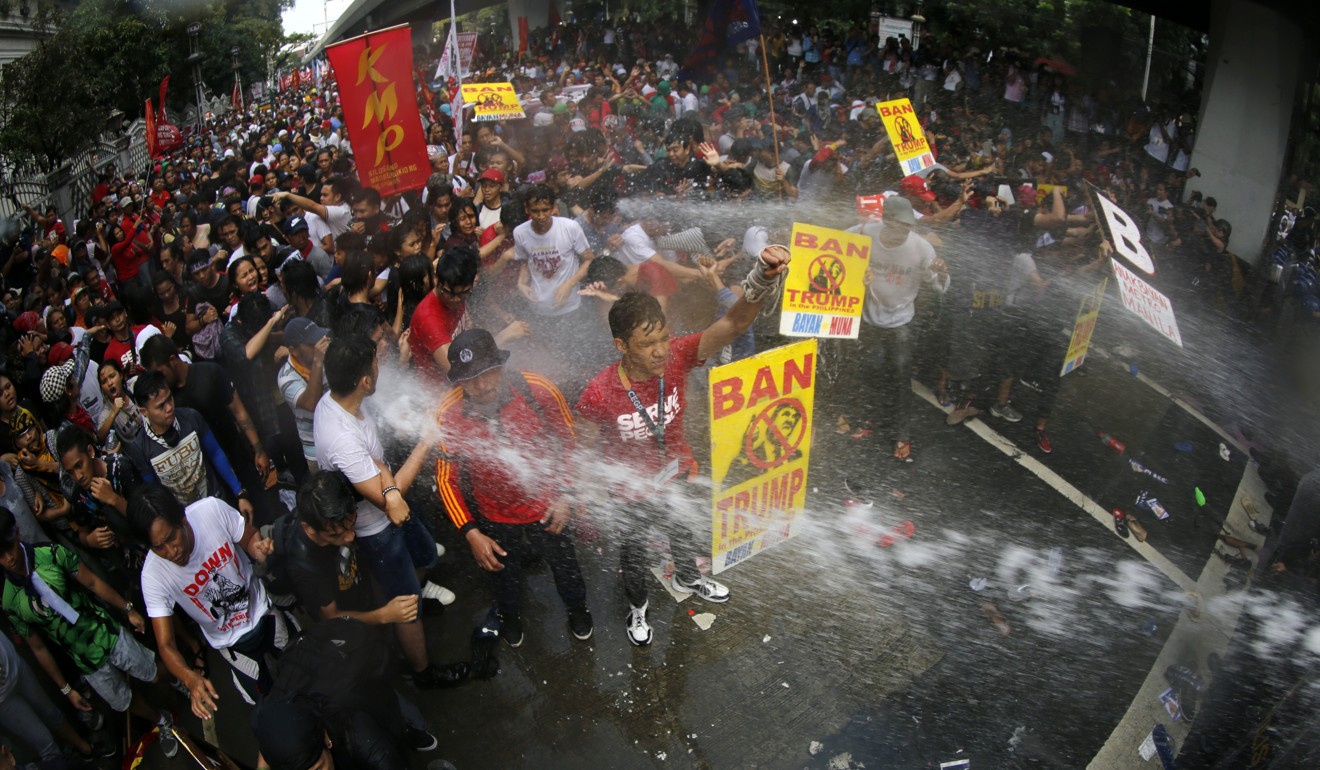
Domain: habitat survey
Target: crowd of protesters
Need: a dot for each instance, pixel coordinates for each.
(199, 397)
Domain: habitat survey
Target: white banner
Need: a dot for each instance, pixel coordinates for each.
(1147, 302)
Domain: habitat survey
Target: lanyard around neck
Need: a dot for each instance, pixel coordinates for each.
(657, 428)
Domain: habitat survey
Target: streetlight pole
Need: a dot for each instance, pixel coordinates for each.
(195, 59)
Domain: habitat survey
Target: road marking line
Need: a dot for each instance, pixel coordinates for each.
(1163, 391)
(1061, 485)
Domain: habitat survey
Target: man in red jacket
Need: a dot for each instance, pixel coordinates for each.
(495, 426)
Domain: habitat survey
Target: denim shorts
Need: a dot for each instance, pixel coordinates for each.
(129, 658)
(394, 555)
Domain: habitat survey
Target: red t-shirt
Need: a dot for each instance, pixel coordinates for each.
(125, 353)
(496, 453)
(655, 280)
(433, 326)
(624, 434)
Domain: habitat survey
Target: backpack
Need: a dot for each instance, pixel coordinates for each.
(278, 582)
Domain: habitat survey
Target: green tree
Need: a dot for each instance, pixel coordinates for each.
(99, 56)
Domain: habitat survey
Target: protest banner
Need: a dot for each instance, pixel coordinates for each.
(760, 434)
(1084, 328)
(823, 293)
(376, 90)
(1139, 297)
(493, 101)
(904, 129)
(456, 61)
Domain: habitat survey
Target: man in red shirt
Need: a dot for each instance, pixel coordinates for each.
(634, 410)
(442, 314)
(494, 425)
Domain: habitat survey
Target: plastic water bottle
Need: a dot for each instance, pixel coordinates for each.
(1113, 443)
(111, 442)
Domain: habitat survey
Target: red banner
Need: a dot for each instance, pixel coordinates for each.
(151, 131)
(376, 90)
(160, 103)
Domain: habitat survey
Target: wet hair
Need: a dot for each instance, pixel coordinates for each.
(459, 206)
(602, 199)
(512, 214)
(635, 310)
(139, 302)
(396, 238)
(458, 267)
(72, 437)
(412, 277)
(157, 350)
(605, 270)
(434, 191)
(541, 193)
(148, 386)
(343, 186)
(299, 278)
(149, 502)
(359, 272)
(359, 320)
(253, 311)
(347, 361)
(326, 501)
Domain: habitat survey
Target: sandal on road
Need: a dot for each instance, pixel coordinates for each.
(903, 451)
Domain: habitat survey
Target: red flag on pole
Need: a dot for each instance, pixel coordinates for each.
(374, 71)
(151, 131)
(237, 98)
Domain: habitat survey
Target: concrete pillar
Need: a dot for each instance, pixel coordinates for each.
(1253, 64)
(536, 11)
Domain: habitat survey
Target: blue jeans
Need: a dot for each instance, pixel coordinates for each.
(394, 555)
(29, 715)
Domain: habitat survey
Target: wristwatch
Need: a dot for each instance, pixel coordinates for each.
(128, 607)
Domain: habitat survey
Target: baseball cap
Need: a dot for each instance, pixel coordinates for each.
(59, 353)
(27, 322)
(55, 382)
(109, 308)
(493, 175)
(301, 331)
(899, 210)
(473, 353)
(201, 263)
(296, 225)
(916, 186)
(258, 179)
(577, 124)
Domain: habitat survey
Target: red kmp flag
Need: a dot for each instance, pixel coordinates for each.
(375, 75)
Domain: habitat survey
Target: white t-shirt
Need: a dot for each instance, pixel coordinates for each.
(896, 276)
(553, 260)
(317, 229)
(637, 246)
(338, 218)
(217, 587)
(351, 446)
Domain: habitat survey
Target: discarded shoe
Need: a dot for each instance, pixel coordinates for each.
(903, 451)
(958, 415)
(1120, 523)
(1138, 530)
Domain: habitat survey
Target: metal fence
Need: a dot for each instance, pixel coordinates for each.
(69, 187)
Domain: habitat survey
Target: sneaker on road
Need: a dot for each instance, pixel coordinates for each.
(580, 623)
(1006, 412)
(511, 628)
(438, 592)
(705, 588)
(639, 631)
(1043, 441)
(420, 740)
(169, 742)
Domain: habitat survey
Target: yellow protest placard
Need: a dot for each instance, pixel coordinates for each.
(824, 291)
(760, 435)
(910, 145)
(1084, 328)
(492, 101)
